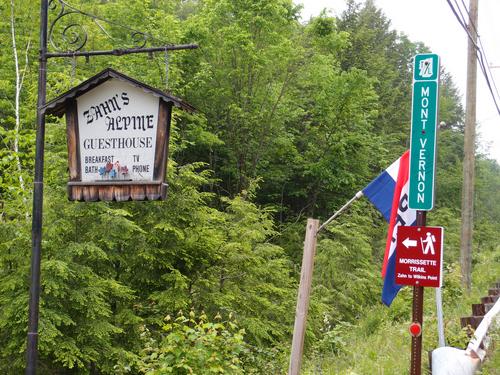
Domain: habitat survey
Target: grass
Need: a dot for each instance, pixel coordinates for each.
(379, 342)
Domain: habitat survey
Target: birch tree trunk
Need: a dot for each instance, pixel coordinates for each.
(19, 85)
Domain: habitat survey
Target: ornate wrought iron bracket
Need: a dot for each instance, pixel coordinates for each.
(121, 52)
(68, 37)
(74, 37)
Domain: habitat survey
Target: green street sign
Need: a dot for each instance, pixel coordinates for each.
(424, 118)
(426, 67)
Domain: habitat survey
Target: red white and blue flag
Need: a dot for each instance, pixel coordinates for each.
(389, 194)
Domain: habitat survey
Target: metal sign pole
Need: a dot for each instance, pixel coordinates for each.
(417, 315)
(424, 116)
(37, 216)
(36, 226)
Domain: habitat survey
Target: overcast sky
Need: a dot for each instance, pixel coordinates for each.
(433, 23)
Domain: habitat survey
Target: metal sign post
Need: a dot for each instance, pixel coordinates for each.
(36, 224)
(72, 50)
(424, 120)
(417, 315)
(419, 260)
(423, 132)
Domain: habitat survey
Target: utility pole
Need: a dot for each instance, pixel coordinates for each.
(469, 148)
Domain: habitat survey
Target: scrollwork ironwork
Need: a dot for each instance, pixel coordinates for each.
(140, 39)
(74, 36)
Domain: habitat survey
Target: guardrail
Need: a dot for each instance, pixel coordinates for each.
(479, 310)
(454, 361)
(483, 316)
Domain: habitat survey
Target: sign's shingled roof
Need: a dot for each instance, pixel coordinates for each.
(58, 105)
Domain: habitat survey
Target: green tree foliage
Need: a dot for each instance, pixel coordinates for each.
(259, 66)
(194, 346)
(292, 120)
(240, 78)
(17, 91)
(342, 250)
(487, 207)
(386, 56)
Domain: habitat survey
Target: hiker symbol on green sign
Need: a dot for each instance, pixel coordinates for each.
(426, 67)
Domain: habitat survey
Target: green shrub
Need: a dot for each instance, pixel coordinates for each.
(190, 345)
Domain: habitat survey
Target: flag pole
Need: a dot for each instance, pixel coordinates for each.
(358, 195)
(306, 273)
(312, 229)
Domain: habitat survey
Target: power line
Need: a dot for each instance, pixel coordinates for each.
(488, 67)
(464, 20)
(483, 59)
(487, 71)
(481, 55)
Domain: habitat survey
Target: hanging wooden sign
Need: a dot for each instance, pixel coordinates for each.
(118, 133)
